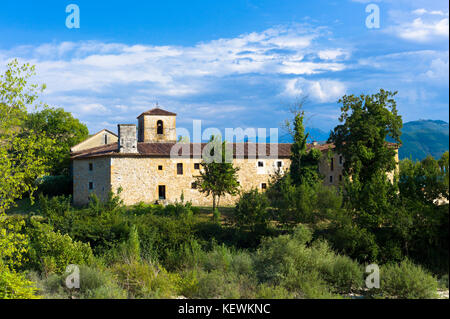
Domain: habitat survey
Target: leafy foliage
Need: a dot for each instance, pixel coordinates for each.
(60, 126)
(218, 177)
(304, 168)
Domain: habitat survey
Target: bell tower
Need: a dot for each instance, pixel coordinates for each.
(157, 126)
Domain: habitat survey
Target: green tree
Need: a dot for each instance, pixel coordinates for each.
(252, 210)
(218, 177)
(62, 127)
(367, 122)
(21, 149)
(304, 163)
(20, 164)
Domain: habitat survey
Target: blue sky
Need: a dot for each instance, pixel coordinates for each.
(230, 63)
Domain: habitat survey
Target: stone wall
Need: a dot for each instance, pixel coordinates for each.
(331, 169)
(99, 176)
(141, 177)
(148, 126)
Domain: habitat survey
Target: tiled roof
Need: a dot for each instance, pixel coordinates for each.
(240, 150)
(157, 111)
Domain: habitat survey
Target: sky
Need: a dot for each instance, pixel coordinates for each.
(230, 63)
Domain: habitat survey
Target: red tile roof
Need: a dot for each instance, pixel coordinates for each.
(240, 150)
(157, 111)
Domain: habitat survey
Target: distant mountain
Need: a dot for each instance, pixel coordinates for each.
(424, 137)
(419, 138)
(315, 134)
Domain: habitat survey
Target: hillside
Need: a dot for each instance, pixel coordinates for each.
(419, 139)
(424, 137)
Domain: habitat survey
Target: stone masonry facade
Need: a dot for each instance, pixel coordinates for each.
(149, 174)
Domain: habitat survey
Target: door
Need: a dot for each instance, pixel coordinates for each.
(162, 192)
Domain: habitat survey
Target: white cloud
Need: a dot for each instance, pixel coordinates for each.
(92, 108)
(334, 54)
(322, 91)
(420, 25)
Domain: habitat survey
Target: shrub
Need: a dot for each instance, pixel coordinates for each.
(302, 234)
(308, 272)
(14, 285)
(354, 241)
(251, 209)
(99, 284)
(146, 280)
(52, 251)
(95, 283)
(216, 284)
(344, 274)
(407, 281)
(265, 291)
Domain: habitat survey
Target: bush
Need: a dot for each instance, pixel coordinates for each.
(354, 241)
(407, 281)
(14, 285)
(146, 280)
(95, 283)
(265, 291)
(251, 210)
(52, 251)
(308, 272)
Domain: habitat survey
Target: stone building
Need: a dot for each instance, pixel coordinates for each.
(104, 137)
(149, 166)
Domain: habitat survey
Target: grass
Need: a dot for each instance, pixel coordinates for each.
(205, 213)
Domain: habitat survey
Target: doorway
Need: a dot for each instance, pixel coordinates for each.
(162, 192)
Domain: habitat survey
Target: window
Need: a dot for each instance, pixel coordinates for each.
(162, 192)
(332, 164)
(180, 168)
(279, 164)
(91, 185)
(196, 166)
(331, 179)
(159, 127)
(160, 168)
(91, 166)
(260, 164)
(106, 139)
(194, 185)
(340, 159)
(263, 185)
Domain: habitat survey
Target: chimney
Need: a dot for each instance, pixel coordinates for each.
(127, 138)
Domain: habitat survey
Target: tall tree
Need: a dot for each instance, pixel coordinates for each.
(218, 177)
(21, 149)
(61, 126)
(304, 168)
(367, 122)
(20, 164)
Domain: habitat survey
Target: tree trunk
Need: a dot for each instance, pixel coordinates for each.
(214, 203)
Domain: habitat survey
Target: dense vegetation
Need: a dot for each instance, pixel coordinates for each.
(299, 239)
